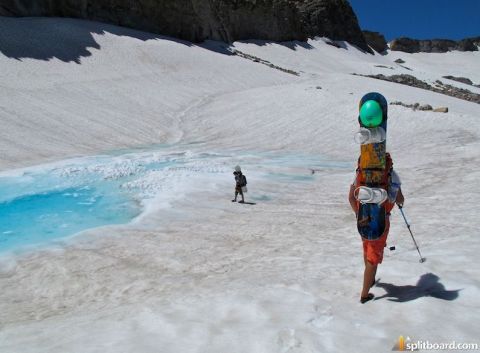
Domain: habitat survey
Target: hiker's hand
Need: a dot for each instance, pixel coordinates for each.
(400, 200)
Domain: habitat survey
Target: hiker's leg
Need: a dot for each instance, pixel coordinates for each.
(368, 277)
(241, 194)
(366, 262)
(236, 194)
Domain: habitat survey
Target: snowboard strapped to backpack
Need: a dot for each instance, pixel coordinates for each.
(243, 180)
(374, 167)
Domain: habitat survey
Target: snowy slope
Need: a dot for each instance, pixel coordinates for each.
(128, 88)
(197, 273)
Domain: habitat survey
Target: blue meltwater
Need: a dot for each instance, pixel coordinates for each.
(36, 218)
(40, 206)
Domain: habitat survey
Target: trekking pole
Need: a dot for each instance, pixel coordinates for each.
(422, 259)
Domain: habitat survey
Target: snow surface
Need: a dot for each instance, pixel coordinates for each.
(197, 273)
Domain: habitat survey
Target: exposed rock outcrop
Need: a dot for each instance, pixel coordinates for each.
(410, 45)
(439, 86)
(424, 107)
(414, 106)
(263, 62)
(198, 20)
(464, 80)
(441, 110)
(376, 41)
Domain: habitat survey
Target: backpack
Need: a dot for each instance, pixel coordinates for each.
(243, 180)
(382, 182)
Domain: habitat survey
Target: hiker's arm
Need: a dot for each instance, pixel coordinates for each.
(400, 200)
(352, 200)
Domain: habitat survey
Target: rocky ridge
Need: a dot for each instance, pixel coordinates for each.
(438, 87)
(199, 20)
(410, 45)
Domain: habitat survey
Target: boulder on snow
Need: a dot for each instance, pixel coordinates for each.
(425, 107)
(465, 80)
(441, 110)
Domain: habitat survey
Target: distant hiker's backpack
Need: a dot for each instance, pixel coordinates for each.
(243, 180)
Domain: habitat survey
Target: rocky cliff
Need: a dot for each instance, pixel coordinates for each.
(198, 20)
(409, 45)
(376, 41)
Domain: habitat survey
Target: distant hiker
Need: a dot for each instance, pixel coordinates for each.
(240, 184)
(373, 249)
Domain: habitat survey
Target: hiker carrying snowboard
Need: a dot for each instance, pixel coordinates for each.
(373, 249)
(240, 184)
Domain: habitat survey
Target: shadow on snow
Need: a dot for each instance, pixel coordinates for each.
(427, 286)
(69, 40)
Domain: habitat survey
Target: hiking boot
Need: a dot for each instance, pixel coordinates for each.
(369, 297)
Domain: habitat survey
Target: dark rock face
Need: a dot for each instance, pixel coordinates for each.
(409, 45)
(376, 40)
(334, 19)
(405, 44)
(198, 20)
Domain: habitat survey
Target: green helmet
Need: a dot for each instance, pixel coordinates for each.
(371, 114)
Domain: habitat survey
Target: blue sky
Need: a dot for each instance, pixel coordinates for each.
(420, 19)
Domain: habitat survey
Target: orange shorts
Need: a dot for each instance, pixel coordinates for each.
(373, 249)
